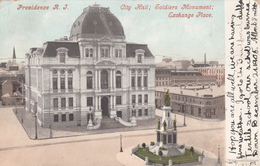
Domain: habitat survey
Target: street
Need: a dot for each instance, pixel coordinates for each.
(100, 149)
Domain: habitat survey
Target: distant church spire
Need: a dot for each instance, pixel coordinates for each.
(14, 56)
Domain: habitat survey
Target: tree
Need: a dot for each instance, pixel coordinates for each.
(144, 145)
(160, 154)
(192, 150)
(167, 99)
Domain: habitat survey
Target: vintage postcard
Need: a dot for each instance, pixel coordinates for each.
(134, 82)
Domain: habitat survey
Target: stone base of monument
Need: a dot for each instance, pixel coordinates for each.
(168, 151)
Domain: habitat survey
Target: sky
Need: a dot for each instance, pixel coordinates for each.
(179, 38)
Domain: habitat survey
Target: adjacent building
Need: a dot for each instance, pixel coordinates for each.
(180, 73)
(11, 78)
(212, 68)
(204, 102)
(91, 75)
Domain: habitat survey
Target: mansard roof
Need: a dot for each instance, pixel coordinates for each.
(52, 46)
(131, 48)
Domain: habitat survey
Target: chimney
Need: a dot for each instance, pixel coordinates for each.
(205, 61)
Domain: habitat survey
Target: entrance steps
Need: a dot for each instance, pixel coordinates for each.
(108, 123)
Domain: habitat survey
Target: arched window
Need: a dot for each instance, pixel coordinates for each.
(89, 80)
(118, 79)
(104, 79)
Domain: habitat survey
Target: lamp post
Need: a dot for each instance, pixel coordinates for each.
(50, 131)
(90, 115)
(22, 99)
(219, 162)
(184, 123)
(121, 149)
(35, 116)
(133, 110)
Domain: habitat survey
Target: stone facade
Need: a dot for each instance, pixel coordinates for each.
(94, 74)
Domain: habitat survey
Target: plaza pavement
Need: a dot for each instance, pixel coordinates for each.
(99, 149)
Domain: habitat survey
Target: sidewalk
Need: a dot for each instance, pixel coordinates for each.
(197, 118)
(27, 121)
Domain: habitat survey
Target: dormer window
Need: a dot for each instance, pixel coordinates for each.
(139, 54)
(62, 57)
(139, 58)
(62, 52)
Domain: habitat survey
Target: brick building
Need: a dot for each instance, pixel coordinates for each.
(196, 101)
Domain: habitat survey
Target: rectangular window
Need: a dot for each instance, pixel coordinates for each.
(89, 101)
(55, 103)
(62, 57)
(145, 81)
(91, 52)
(133, 81)
(164, 139)
(104, 52)
(55, 83)
(140, 112)
(139, 81)
(62, 83)
(116, 53)
(133, 99)
(63, 102)
(146, 112)
(139, 99)
(87, 52)
(120, 53)
(133, 112)
(174, 138)
(118, 81)
(118, 100)
(169, 138)
(71, 117)
(56, 118)
(70, 83)
(89, 82)
(158, 136)
(199, 112)
(63, 117)
(71, 102)
(146, 98)
(139, 58)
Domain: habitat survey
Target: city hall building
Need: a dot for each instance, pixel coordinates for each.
(91, 75)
